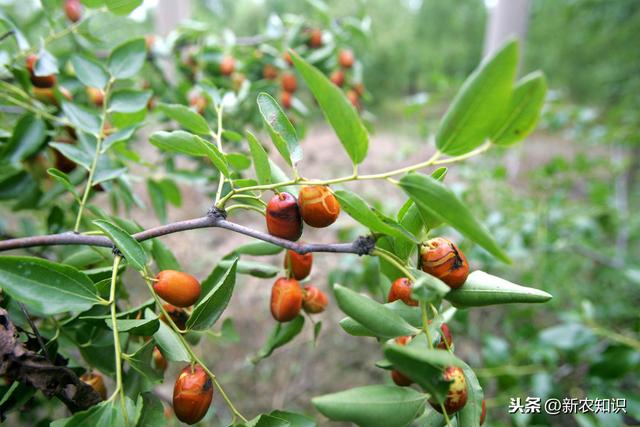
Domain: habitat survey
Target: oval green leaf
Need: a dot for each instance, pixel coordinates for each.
(372, 406)
(482, 289)
(374, 316)
(436, 200)
(282, 132)
(472, 411)
(127, 59)
(47, 287)
(480, 104)
(281, 335)
(523, 111)
(168, 341)
(129, 100)
(210, 307)
(187, 143)
(130, 248)
(89, 71)
(187, 118)
(338, 111)
(260, 160)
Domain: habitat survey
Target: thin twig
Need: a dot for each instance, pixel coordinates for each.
(35, 331)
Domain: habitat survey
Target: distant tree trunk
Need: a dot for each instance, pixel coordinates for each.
(507, 18)
(170, 13)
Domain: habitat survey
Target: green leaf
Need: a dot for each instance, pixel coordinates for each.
(472, 411)
(47, 287)
(428, 288)
(436, 200)
(73, 153)
(374, 316)
(372, 406)
(524, 110)
(255, 269)
(187, 143)
(171, 191)
(238, 161)
(482, 289)
(81, 118)
(89, 71)
(104, 174)
(480, 104)
(337, 109)
(29, 134)
(358, 209)
(260, 160)
(157, 200)
(129, 100)
(165, 260)
(295, 420)
(210, 307)
(187, 118)
(119, 136)
(354, 328)
(141, 327)
(258, 249)
(282, 132)
(423, 366)
(104, 414)
(281, 335)
(127, 59)
(168, 341)
(152, 412)
(64, 180)
(122, 7)
(130, 248)
(141, 362)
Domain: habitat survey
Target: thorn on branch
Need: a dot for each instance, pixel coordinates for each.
(364, 245)
(217, 213)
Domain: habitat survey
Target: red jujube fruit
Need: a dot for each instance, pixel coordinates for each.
(289, 82)
(283, 217)
(286, 299)
(227, 65)
(177, 288)
(192, 394)
(441, 258)
(346, 58)
(299, 265)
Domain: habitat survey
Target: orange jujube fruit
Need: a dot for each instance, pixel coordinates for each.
(73, 10)
(227, 65)
(401, 290)
(318, 206)
(96, 382)
(177, 288)
(39, 81)
(346, 58)
(286, 299)
(441, 258)
(314, 300)
(289, 82)
(299, 265)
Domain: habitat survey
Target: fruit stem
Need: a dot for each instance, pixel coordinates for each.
(96, 155)
(446, 416)
(116, 339)
(425, 323)
(392, 259)
(194, 358)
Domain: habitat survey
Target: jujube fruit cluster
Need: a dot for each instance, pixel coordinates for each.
(192, 394)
